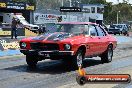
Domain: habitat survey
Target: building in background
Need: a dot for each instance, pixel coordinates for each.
(26, 9)
(93, 12)
(22, 11)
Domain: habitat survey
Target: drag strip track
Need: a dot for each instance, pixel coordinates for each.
(14, 72)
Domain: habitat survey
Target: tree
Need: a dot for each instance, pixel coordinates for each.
(98, 2)
(85, 1)
(124, 12)
(27, 1)
(48, 4)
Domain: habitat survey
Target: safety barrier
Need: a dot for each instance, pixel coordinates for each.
(20, 31)
(4, 33)
(30, 33)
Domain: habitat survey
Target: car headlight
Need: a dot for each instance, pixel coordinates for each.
(67, 47)
(23, 45)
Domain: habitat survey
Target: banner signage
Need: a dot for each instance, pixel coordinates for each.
(17, 5)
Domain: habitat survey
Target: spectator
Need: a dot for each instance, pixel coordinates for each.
(42, 29)
(14, 28)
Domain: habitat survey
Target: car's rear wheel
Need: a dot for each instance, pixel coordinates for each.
(106, 57)
(31, 60)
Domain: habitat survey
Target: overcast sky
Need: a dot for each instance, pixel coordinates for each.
(115, 1)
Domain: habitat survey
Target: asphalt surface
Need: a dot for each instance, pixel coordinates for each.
(12, 51)
(14, 73)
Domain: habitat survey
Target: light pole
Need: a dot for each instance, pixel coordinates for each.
(70, 3)
(62, 3)
(117, 19)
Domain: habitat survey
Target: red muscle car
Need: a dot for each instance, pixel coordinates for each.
(72, 42)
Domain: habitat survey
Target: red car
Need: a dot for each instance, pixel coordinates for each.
(72, 42)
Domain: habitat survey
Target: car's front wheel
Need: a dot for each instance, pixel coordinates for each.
(114, 33)
(31, 60)
(77, 60)
(106, 57)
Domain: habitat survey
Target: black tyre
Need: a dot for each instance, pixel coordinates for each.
(106, 57)
(31, 61)
(77, 60)
(125, 33)
(121, 32)
(114, 33)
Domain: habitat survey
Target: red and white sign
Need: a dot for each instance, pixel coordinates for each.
(47, 18)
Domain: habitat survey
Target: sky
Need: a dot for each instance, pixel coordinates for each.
(115, 1)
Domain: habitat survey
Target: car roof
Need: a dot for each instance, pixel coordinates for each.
(77, 23)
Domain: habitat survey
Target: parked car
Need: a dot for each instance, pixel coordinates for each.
(118, 29)
(114, 30)
(72, 42)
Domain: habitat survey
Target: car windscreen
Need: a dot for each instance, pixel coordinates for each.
(112, 26)
(71, 28)
(118, 26)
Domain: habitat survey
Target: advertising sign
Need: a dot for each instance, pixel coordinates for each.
(2, 5)
(70, 9)
(44, 18)
(14, 5)
(48, 18)
(17, 5)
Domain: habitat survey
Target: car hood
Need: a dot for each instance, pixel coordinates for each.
(57, 36)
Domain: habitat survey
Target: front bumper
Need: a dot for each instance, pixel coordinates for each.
(43, 53)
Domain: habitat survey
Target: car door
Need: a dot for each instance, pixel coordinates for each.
(102, 36)
(92, 41)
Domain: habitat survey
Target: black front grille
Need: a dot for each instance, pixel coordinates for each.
(44, 46)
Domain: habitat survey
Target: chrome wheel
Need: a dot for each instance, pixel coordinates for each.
(110, 54)
(79, 59)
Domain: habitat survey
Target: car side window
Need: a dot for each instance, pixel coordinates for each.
(86, 32)
(100, 31)
(92, 31)
(125, 27)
